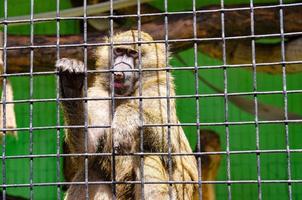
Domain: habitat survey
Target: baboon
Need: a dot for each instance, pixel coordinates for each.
(120, 124)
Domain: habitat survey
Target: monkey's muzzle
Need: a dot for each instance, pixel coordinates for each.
(122, 74)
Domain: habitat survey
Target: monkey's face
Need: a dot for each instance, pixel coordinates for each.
(124, 63)
(124, 59)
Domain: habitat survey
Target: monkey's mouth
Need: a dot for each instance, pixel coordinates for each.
(118, 85)
(120, 88)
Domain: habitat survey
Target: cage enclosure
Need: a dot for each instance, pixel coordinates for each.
(236, 66)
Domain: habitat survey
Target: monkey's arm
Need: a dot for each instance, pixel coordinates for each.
(71, 76)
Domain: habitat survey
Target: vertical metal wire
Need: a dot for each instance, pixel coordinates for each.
(289, 177)
(141, 118)
(31, 90)
(196, 73)
(226, 102)
(168, 68)
(4, 103)
(255, 98)
(85, 95)
(58, 171)
(113, 173)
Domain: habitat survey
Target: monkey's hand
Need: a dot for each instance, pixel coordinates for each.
(125, 127)
(71, 73)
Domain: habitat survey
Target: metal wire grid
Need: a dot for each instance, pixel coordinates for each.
(256, 122)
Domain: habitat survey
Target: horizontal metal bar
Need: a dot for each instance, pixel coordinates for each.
(117, 16)
(281, 181)
(228, 123)
(178, 68)
(193, 96)
(96, 44)
(138, 154)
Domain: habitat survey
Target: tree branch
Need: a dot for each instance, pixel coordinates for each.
(240, 52)
(180, 26)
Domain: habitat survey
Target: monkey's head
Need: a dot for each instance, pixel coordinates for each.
(123, 59)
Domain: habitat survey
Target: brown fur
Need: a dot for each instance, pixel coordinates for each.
(125, 126)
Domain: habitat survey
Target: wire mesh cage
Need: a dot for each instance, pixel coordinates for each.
(236, 68)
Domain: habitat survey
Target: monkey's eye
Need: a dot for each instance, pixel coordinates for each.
(118, 51)
(133, 53)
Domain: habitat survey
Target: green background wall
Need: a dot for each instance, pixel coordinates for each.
(242, 137)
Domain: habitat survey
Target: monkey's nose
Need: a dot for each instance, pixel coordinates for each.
(119, 76)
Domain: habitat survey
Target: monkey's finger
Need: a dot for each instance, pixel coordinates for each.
(70, 65)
